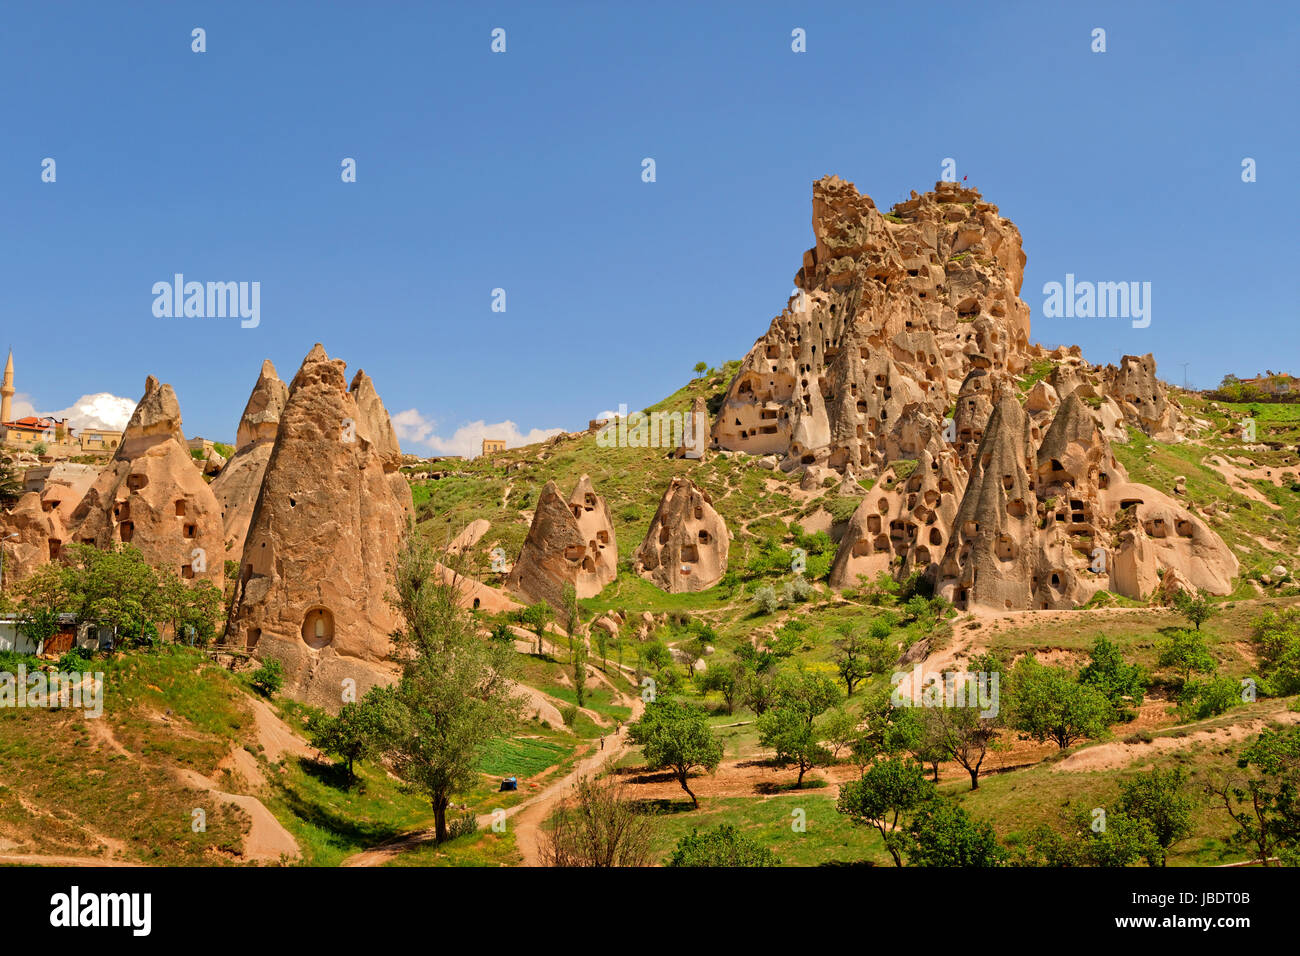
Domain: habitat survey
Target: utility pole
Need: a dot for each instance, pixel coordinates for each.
(1185, 364)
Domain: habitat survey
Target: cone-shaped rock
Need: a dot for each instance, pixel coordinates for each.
(152, 497)
(329, 522)
(569, 542)
(686, 546)
(40, 520)
(237, 485)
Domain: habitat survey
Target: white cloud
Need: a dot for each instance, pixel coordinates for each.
(22, 406)
(101, 410)
(467, 440)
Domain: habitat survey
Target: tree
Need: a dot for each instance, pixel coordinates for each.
(966, 735)
(940, 833)
(851, 658)
(11, 483)
(727, 680)
(788, 726)
(839, 728)
(535, 617)
(1197, 609)
(885, 797)
(355, 734)
(580, 672)
(724, 845)
(601, 828)
(701, 368)
(1159, 799)
(1263, 796)
(677, 737)
(1124, 685)
(455, 694)
(758, 690)
(1277, 637)
(1186, 652)
(569, 615)
(1047, 704)
(269, 678)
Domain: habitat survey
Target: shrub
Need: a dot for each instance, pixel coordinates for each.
(766, 599)
(269, 678)
(724, 845)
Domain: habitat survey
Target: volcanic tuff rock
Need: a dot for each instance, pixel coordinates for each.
(151, 495)
(329, 522)
(904, 357)
(40, 519)
(568, 543)
(686, 546)
(1049, 526)
(237, 485)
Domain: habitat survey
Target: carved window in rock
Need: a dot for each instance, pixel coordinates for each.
(318, 627)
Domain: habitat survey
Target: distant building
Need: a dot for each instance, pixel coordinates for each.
(493, 445)
(98, 439)
(1274, 383)
(32, 430)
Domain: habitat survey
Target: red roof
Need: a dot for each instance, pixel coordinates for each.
(32, 423)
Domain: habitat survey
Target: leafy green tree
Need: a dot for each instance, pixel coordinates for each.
(839, 728)
(885, 797)
(580, 671)
(758, 690)
(1046, 703)
(1159, 798)
(1200, 700)
(1197, 609)
(677, 737)
(11, 483)
(1276, 635)
(701, 368)
(455, 694)
(1088, 838)
(965, 734)
(724, 845)
(356, 734)
(941, 833)
(269, 678)
(535, 617)
(1186, 652)
(1262, 796)
(789, 725)
(1123, 684)
(728, 680)
(569, 615)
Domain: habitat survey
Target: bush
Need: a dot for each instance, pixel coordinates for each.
(462, 826)
(1209, 698)
(74, 660)
(724, 845)
(269, 678)
(569, 715)
(766, 599)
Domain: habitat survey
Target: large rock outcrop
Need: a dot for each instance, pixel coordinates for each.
(152, 497)
(39, 519)
(1048, 524)
(328, 524)
(569, 542)
(686, 546)
(904, 358)
(238, 483)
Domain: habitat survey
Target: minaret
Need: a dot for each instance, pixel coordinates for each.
(7, 389)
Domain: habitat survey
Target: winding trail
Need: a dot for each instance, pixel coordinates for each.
(526, 817)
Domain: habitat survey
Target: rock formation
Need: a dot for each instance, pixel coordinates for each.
(152, 497)
(569, 542)
(1048, 526)
(904, 357)
(40, 519)
(686, 546)
(238, 483)
(328, 524)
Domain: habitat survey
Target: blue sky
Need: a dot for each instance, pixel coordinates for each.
(522, 171)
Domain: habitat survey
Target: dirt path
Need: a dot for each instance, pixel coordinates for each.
(36, 859)
(526, 817)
